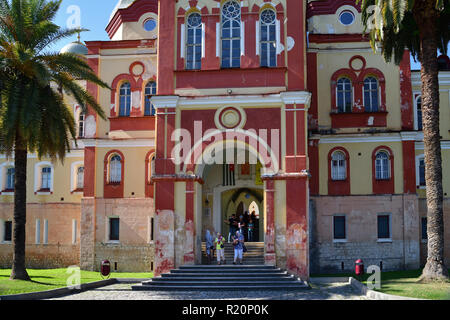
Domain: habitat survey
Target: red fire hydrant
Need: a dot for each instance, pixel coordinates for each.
(105, 269)
(359, 267)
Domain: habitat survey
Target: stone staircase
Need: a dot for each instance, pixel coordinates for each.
(254, 255)
(223, 277)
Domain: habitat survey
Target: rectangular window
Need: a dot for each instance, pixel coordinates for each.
(384, 229)
(339, 227)
(46, 178)
(38, 232)
(114, 229)
(10, 176)
(424, 228)
(45, 231)
(419, 114)
(422, 182)
(8, 231)
(74, 231)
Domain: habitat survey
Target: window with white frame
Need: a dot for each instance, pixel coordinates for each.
(382, 166)
(125, 100)
(10, 178)
(194, 42)
(231, 35)
(115, 169)
(344, 95)
(371, 101)
(81, 119)
(150, 90)
(46, 178)
(338, 166)
(80, 178)
(268, 38)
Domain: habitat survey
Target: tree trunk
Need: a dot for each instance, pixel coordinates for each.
(426, 17)
(19, 271)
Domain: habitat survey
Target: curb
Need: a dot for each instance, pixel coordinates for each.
(372, 294)
(329, 280)
(68, 291)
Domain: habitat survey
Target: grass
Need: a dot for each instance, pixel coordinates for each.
(404, 283)
(43, 280)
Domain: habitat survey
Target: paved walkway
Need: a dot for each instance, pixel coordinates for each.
(330, 291)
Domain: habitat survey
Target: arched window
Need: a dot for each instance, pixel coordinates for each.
(115, 169)
(371, 101)
(125, 100)
(81, 125)
(382, 166)
(150, 90)
(231, 35)
(10, 176)
(344, 95)
(338, 166)
(80, 178)
(46, 178)
(194, 42)
(268, 39)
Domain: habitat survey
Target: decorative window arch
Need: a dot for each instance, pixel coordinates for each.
(114, 174)
(150, 90)
(77, 177)
(338, 166)
(231, 34)
(149, 172)
(115, 169)
(383, 170)
(43, 177)
(125, 99)
(194, 38)
(338, 171)
(418, 113)
(344, 95)
(371, 94)
(81, 124)
(80, 178)
(268, 38)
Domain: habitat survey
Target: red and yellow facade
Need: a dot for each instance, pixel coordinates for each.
(272, 131)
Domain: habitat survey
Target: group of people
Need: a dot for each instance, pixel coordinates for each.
(218, 244)
(245, 224)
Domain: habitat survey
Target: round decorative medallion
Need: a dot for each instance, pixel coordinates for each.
(230, 118)
(137, 69)
(357, 63)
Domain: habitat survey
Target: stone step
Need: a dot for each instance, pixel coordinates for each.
(283, 279)
(224, 274)
(196, 267)
(221, 283)
(294, 286)
(228, 270)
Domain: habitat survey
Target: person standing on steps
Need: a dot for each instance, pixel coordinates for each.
(220, 248)
(250, 231)
(232, 222)
(238, 243)
(209, 246)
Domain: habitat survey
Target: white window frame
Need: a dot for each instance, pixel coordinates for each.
(390, 227)
(109, 175)
(3, 176)
(418, 158)
(37, 232)
(388, 165)
(351, 93)
(152, 88)
(73, 177)
(38, 177)
(332, 228)
(185, 30)
(130, 101)
(260, 25)
(370, 91)
(231, 39)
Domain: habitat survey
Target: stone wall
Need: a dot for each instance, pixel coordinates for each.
(59, 251)
(401, 252)
(134, 252)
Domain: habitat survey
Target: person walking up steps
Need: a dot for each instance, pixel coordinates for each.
(238, 243)
(220, 248)
(209, 245)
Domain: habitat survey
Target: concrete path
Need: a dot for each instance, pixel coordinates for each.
(322, 291)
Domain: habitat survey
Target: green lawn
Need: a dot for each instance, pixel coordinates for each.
(404, 283)
(43, 280)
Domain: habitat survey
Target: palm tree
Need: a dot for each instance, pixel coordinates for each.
(33, 113)
(422, 27)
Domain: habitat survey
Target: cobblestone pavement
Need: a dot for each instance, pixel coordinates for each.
(330, 291)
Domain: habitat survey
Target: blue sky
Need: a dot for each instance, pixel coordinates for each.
(94, 15)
